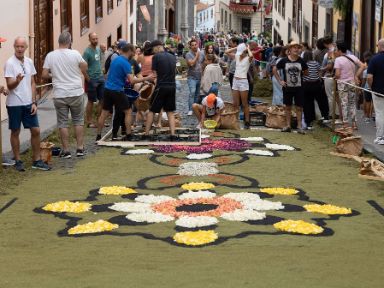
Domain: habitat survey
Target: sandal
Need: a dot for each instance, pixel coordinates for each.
(91, 125)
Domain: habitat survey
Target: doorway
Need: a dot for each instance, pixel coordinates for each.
(245, 25)
(44, 34)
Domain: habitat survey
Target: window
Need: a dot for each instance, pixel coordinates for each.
(315, 21)
(99, 10)
(131, 6)
(119, 2)
(66, 15)
(226, 18)
(131, 32)
(230, 21)
(84, 16)
(222, 16)
(109, 6)
(109, 41)
(211, 13)
(119, 33)
(294, 15)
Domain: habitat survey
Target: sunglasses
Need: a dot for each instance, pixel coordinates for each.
(23, 67)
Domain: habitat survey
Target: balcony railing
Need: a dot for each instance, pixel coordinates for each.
(244, 7)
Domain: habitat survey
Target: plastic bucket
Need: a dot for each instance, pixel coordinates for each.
(131, 94)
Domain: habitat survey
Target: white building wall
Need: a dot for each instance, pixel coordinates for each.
(207, 22)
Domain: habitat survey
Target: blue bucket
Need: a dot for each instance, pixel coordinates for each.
(131, 94)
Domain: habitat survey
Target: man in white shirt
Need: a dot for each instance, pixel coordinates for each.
(21, 103)
(66, 67)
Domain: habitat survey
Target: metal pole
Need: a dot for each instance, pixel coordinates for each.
(334, 104)
(1, 141)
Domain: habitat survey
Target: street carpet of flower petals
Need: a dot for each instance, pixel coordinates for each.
(259, 152)
(197, 194)
(193, 222)
(277, 147)
(327, 209)
(193, 186)
(116, 190)
(139, 152)
(93, 227)
(67, 207)
(195, 156)
(195, 238)
(298, 226)
(207, 146)
(279, 191)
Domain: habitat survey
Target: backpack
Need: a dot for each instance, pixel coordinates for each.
(108, 62)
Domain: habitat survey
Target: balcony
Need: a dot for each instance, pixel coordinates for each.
(244, 6)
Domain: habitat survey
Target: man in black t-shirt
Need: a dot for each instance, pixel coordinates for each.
(293, 68)
(164, 96)
(375, 78)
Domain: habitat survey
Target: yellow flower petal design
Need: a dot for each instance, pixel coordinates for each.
(298, 226)
(68, 206)
(279, 191)
(116, 190)
(327, 209)
(93, 227)
(196, 186)
(195, 238)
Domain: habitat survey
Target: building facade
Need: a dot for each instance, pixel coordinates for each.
(157, 19)
(42, 21)
(205, 18)
(301, 21)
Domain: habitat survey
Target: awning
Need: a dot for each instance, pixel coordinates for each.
(145, 12)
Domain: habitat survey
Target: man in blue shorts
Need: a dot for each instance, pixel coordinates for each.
(19, 73)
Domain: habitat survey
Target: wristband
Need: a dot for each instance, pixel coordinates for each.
(34, 103)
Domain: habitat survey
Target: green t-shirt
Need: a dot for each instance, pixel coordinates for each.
(93, 58)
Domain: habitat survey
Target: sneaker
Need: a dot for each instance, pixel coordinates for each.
(127, 137)
(246, 125)
(39, 164)
(300, 131)
(98, 138)
(367, 120)
(326, 121)
(189, 113)
(286, 129)
(381, 141)
(376, 141)
(338, 121)
(309, 127)
(8, 162)
(115, 137)
(65, 155)
(19, 166)
(80, 153)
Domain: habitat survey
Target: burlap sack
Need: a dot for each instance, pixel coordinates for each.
(262, 107)
(143, 103)
(372, 167)
(350, 145)
(46, 151)
(229, 118)
(165, 122)
(275, 117)
(344, 132)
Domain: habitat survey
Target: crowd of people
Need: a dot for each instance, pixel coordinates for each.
(300, 77)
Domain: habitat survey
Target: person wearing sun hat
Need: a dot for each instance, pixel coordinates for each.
(294, 68)
(210, 108)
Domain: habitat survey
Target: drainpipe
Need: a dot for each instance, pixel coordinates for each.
(31, 31)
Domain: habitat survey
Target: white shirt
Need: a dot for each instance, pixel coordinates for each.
(212, 111)
(66, 73)
(242, 67)
(22, 94)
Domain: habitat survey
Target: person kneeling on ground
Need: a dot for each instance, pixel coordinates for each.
(119, 71)
(210, 108)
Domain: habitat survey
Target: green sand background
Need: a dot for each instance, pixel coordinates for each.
(33, 255)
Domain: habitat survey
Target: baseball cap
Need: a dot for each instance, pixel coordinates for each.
(155, 43)
(211, 98)
(121, 44)
(241, 48)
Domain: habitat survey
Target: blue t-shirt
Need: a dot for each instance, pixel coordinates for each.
(117, 74)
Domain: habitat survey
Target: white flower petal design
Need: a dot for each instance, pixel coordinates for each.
(153, 199)
(205, 136)
(198, 221)
(198, 169)
(279, 147)
(260, 152)
(197, 194)
(262, 205)
(199, 156)
(243, 196)
(139, 151)
(252, 201)
(131, 207)
(149, 217)
(243, 215)
(253, 139)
